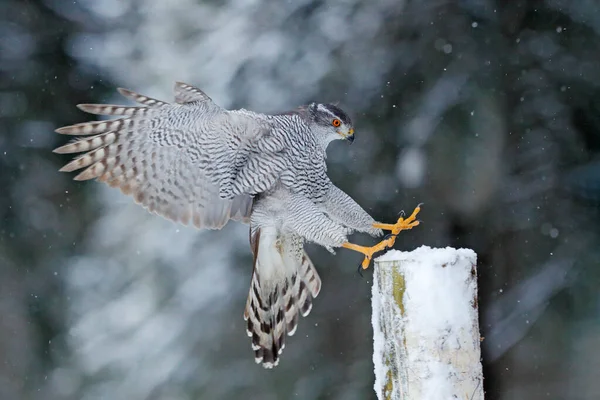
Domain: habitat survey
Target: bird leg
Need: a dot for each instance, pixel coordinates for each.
(401, 225)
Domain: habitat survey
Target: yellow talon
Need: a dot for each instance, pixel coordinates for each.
(401, 225)
(369, 251)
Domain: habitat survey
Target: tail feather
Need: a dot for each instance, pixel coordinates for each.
(281, 290)
(310, 276)
(290, 300)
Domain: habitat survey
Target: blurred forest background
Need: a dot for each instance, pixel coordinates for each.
(487, 111)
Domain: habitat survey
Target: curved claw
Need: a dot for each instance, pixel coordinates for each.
(389, 240)
(359, 270)
(402, 223)
(389, 235)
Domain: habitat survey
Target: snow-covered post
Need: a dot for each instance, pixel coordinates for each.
(426, 331)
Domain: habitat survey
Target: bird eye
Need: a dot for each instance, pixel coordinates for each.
(336, 122)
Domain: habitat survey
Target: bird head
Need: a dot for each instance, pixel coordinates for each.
(329, 122)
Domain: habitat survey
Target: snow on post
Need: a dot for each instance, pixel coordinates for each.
(426, 331)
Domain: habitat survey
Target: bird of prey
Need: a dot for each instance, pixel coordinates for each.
(193, 161)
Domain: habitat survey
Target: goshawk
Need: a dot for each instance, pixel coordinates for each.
(195, 162)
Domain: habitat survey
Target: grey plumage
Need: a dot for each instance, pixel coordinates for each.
(195, 162)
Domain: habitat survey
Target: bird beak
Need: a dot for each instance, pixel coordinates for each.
(349, 136)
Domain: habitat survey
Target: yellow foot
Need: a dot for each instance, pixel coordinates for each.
(401, 225)
(369, 251)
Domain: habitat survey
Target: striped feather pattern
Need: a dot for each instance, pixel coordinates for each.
(284, 283)
(138, 98)
(171, 158)
(196, 163)
(108, 109)
(185, 93)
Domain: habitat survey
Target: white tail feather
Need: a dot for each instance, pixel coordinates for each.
(284, 283)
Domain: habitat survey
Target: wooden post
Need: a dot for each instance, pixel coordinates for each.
(425, 323)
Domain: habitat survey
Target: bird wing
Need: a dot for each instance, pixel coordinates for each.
(185, 161)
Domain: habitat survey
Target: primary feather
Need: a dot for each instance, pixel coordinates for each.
(159, 154)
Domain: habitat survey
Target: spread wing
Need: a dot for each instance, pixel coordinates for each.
(186, 161)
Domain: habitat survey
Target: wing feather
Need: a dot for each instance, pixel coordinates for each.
(139, 98)
(185, 93)
(177, 160)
